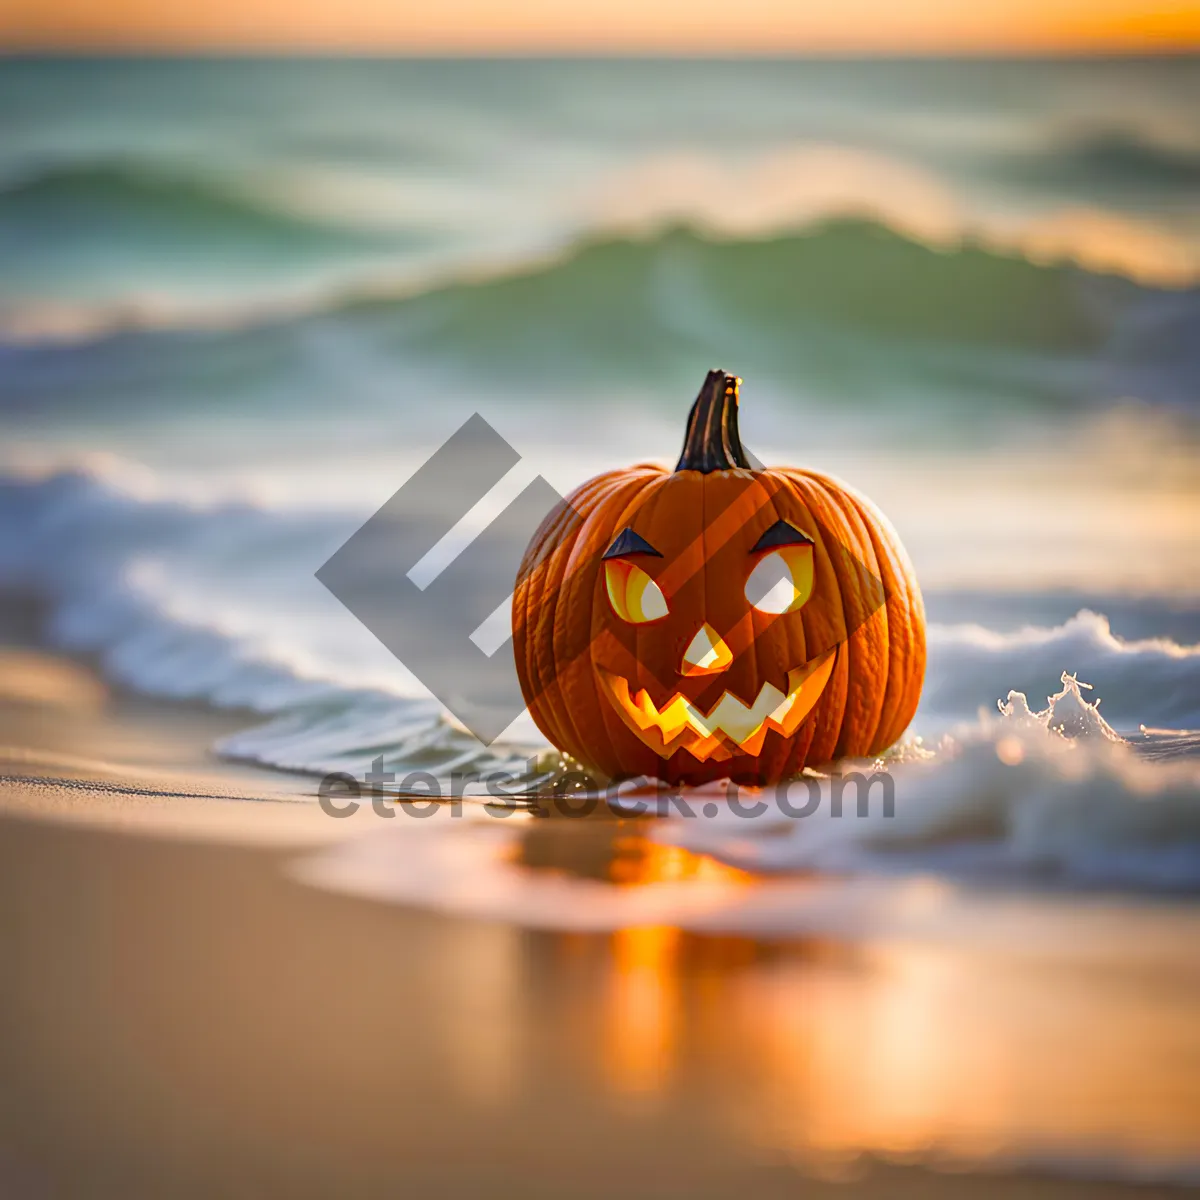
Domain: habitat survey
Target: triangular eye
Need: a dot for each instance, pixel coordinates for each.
(782, 534)
(629, 543)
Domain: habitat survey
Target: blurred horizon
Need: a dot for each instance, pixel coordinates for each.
(1180, 52)
(914, 28)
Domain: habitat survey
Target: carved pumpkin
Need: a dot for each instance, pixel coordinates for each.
(719, 620)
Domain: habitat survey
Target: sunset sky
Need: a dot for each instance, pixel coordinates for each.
(515, 26)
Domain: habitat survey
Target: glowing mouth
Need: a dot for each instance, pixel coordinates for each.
(730, 726)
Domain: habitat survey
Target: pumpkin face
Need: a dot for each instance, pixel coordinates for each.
(717, 620)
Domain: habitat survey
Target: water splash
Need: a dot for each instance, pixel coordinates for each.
(1067, 713)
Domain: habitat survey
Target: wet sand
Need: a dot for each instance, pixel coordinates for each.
(181, 1016)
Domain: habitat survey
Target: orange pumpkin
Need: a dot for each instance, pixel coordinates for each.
(719, 620)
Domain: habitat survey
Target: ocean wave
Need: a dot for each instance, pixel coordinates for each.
(1054, 797)
(181, 598)
(789, 188)
(842, 274)
(835, 273)
(93, 247)
(850, 307)
(1117, 156)
(152, 201)
(122, 212)
(1150, 681)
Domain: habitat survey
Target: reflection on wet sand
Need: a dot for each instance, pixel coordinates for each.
(644, 999)
(823, 1051)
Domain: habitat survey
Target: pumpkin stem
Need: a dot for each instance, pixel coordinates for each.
(712, 442)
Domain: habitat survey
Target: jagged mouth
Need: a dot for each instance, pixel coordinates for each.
(731, 726)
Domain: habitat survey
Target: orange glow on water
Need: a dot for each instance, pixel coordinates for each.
(823, 1051)
(637, 860)
(643, 1009)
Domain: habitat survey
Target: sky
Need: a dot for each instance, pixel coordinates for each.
(645, 26)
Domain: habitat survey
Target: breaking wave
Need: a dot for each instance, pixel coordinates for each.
(850, 307)
(1053, 796)
(836, 275)
(1141, 681)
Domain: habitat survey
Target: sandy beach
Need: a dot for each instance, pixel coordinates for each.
(181, 1015)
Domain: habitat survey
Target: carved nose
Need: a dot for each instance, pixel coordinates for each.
(707, 653)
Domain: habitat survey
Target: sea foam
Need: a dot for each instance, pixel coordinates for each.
(215, 601)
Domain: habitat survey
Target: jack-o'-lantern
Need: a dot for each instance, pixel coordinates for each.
(719, 620)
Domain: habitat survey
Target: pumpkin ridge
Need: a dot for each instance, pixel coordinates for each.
(874, 644)
(906, 661)
(904, 616)
(536, 581)
(895, 686)
(867, 641)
